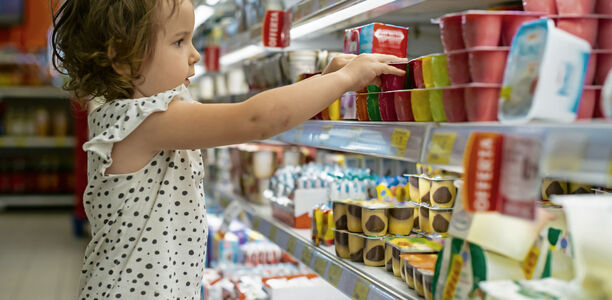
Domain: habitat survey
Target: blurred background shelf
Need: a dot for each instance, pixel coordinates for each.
(42, 200)
(36, 142)
(33, 92)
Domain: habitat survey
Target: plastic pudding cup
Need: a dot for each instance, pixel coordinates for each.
(582, 7)
(354, 218)
(511, 24)
(416, 70)
(603, 7)
(488, 66)
(582, 27)
(356, 244)
(420, 106)
(458, 67)
(427, 71)
(454, 104)
(427, 284)
(443, 192)
(604, 40)
(439, 70)
(362, 107)
(590, 74)
(374, 222)
(341, 244)
(543, 6)
(393, 82)
(424, 189)
(439, 219)
(374, 252)
(372, 101)
(403, 106)
(450, 32)
(481, 103)
(437, 106)
(604, 65)
(481, 28)
(586, 108)
(386, 104)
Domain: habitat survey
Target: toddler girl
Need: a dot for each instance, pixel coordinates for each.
(145, 198)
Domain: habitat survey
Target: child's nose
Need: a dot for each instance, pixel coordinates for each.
(195, 55)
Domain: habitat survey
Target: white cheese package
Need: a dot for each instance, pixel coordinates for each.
(544, 75)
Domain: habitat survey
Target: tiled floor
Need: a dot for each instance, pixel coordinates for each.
(39, 256)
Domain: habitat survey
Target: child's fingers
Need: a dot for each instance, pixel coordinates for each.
(393, 70)
(385, 58)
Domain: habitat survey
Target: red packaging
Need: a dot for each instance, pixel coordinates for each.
(581, 7)
(481, 103)
(275, 29)
(604, 40)
(543, 6)
(482, 166)
(586, 108)
(458, 67)
(351, 40)
(582, 27)
(403, 106)
(590, 74)
(211, 58)
(481, 29)
(362, 107)
(604, 7)
(488, 65)
(384, 39)
(511, 24)
(450, 32)
(389, 82)
(604, 65)
(386, 106)
(416, 70)
(454, 104)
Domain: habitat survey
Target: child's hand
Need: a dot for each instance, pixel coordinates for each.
(366, 68)
(338, 62)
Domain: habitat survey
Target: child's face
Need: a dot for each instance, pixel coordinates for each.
(174, 56)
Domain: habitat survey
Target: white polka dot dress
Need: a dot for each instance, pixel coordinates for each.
(149, 227)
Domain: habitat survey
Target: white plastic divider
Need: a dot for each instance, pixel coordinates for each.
(353, 279)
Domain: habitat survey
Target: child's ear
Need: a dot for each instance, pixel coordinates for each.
(121, 69)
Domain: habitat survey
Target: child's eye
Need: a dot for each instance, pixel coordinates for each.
(179, 42)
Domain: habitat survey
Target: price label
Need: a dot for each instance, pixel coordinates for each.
(356, 134)
(441, 147)
(297, 137)
(306, 255)
(60, 141)
(256, 223)
(361, 290)
(291, 245)
(325, 131)
(399, 140)
(333, 274)
(272, 233)
(320, 265)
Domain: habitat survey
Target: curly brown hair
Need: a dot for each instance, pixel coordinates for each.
(91, 36)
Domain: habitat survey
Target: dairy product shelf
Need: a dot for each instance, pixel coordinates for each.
(36, 142)
(36, 200)
(33, 92)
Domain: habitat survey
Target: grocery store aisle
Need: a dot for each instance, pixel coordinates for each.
(39, 256)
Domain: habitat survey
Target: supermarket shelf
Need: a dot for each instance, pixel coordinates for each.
(391, 140)
(580, 152)
(36, 142)
(36, 200)
(33, 92)
(353, 279)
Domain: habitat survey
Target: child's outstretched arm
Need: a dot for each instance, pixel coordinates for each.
(193, 126)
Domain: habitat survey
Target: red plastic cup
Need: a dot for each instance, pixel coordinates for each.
(604, 66)
(403, 106)
(458, 67)
(603, 7)
(362, 107)
(586, 108)
(389, 82)
(488, 66)
(481, 29)
(416, 70)
(590, 74)
(604, 41)
(581, 7)
(450, 32)
(582, 27)
(386, 105)
(512, 22)
(544, 6)
(454, 104)
(481, 103)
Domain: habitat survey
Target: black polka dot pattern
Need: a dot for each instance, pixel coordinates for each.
(149, 227)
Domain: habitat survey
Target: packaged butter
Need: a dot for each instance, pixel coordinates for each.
(544, 75)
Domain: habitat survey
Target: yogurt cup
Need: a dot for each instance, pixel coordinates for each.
(420, 106)
(354, 218)
(388, 257)
(372, 103)
(427, 283)
(586, 108)
(424, 190)
(361, 105)
(341, 244)
(424, 222)
(590, 74)
(391, 82)
(458, 67)
(427, 68)
(356, 244)
(581, 26)
(604, 40)
(487, 65)
(443, 192)
(481, 103)
(439, 219)
(403, 106)
(604, 65)
(437, 106)
(401, 220)
(416, 70)
(511, 24)
(450, 32)
(481, 28)
(374, 252)
(603, 7)
(541, 6)
(582, 7)
(340, 216)
(386, 107)
(413, 187)
(374, 222)
(552, 187)
(454, 104)
(439, 70)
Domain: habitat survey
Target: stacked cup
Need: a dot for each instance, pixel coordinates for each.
(590, 20)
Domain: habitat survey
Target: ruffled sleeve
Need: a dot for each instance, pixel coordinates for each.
(114, 121)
